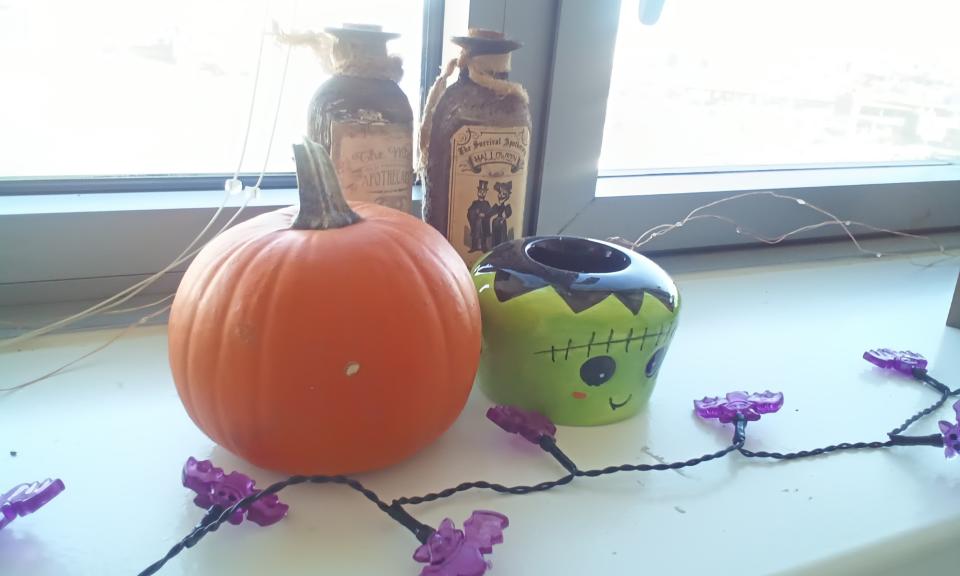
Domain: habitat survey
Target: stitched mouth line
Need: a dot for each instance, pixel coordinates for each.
(615, 405)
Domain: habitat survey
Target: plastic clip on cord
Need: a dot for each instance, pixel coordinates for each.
(214, 488)
(534, 427)
(27, 499)
(448, 551)
(912, 364)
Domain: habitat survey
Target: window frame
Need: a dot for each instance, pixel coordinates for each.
(64, 239)
(577, 199)
(82, 238)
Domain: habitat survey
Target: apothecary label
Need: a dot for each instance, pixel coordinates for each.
(374, 162)
(488, 182)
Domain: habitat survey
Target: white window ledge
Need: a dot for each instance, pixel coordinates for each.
(129, 201)
(797, 328)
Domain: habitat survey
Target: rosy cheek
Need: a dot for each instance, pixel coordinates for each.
(579, 395)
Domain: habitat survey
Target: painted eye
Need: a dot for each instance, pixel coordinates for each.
(597, 370)
(653, 366)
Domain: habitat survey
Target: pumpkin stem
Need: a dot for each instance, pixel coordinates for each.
(322, 206)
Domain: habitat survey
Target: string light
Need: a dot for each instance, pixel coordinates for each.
(697, 214)
(448, 551)
(441, 548)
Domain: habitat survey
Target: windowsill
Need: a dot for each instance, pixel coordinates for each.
(613, 184)
(44, 309)
(127, 201)
(799, 328)
(59, 247)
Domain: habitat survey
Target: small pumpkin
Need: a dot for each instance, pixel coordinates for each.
(331, 339)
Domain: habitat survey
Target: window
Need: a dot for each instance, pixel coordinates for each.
(853, 105)
(111, 87)
(759, 83)
(623, 138)
(157, 92)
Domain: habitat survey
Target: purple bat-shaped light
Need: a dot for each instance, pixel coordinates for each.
(903, 361)
(27, 498)
(951, 434)
(452, 552)
(214, 488)
(531, 425)
(750, 406)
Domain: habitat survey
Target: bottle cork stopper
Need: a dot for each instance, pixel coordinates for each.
(360, 33)
(484, 33)
(479, 41)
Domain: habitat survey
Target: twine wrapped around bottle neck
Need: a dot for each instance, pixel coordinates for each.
(482, 69)
(351, 59)
(346, 58)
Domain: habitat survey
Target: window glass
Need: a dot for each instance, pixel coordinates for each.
(108, 87)
(761, 82)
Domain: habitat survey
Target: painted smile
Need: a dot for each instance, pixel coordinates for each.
(615, 405)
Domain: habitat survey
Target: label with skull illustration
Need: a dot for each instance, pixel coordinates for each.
(488, 182)
(373, 162)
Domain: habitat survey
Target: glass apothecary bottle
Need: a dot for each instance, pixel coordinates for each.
(475, 140)
(363, 118)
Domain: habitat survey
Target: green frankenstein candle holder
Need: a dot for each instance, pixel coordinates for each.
(573, 328)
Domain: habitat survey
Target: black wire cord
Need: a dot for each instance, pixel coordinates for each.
(895, 438)
(543, 486)
(817, 451)
(945, 394)
(216, 515)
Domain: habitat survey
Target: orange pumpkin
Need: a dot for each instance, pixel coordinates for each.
(329, 340)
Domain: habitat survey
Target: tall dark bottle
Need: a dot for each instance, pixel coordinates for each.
(475, 140)
(363, 118)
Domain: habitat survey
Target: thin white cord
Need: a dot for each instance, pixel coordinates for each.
(142, 306)
(253, 96)
(120, 297)
(276, 115)
(113, 339)
(188, 252)
(694, 214)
